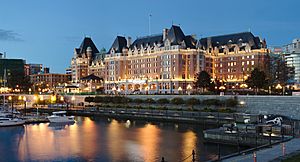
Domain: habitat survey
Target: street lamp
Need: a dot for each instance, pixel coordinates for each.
(222, 88)
(73, 100)
(279, 87)
(179, 90)
(189, 88)
(147, 89)
(10, 98)
(53, 99)
(114, 89)
(62, 101)
(42, 99)
(35, 98)
(24, 99)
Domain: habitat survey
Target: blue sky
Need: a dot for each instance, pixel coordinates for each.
(47, 31)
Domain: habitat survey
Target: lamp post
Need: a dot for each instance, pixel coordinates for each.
(114, 90)
(35, 98)
(62, 101)
(179, 90)
(147, 89)
(10, 98)
(24, 99)
(279, 87)
(222, 88)
(42, 100)
(20, 100)
(53, 99)
(189, 88)
(73, 100)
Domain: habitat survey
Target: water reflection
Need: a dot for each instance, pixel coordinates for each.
(103, 139)
(10, 138)
(149, 139)
(189, 140)
(60, 126)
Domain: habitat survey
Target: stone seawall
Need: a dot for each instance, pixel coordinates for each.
(283, 105)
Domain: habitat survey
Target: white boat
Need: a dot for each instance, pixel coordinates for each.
(60, 117)
(6, 122)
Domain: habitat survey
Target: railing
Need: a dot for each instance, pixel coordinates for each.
(191, 156)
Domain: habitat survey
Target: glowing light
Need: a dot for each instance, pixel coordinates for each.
(278, 86)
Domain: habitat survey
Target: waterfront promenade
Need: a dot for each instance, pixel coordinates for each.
(269, 154)
(282, 105)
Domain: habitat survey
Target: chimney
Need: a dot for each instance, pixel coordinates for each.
(129, 41)
(165, 34)
(209, 42)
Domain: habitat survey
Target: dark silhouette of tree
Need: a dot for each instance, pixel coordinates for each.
(257, 80)
(203, 80)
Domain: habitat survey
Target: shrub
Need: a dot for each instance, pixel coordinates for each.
(150, 100)
(107, 99)
(210, 102)
(177, 101)
(232, 102)
(119, 99)
(98, 99)
(192, 101)
(89, 99)
(138, 100)
(226, 110)
(163, 101)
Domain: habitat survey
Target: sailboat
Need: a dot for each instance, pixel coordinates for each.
(7, 118)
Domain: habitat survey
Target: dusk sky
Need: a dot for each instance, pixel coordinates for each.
(47, 31)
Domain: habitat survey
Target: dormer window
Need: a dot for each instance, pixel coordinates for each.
(112, 51)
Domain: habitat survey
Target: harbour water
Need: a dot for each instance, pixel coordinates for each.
(106, 139)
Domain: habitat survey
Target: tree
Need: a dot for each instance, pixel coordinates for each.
(203, 80)
(280, 72)
(257, 79)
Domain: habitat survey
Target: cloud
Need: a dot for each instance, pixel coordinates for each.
(9, 35)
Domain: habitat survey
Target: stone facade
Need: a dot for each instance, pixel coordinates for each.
(168, 62)
(232, 57)
(156, 64)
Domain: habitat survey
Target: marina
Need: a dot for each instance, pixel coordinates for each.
(106, 139)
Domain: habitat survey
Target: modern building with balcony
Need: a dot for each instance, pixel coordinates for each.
(291, 54)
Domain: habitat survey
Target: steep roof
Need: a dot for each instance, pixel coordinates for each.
(91, 77)
(150, 40)
(175, 35)
(119, 44)
(87, 42)
(235, 38)
(190, 41)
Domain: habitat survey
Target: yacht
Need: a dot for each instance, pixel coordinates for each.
(60, 117)
(8, 121)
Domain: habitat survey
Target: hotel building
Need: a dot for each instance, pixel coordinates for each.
(156, 64)
(168, 62)
(83, 59)
(232, 57)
